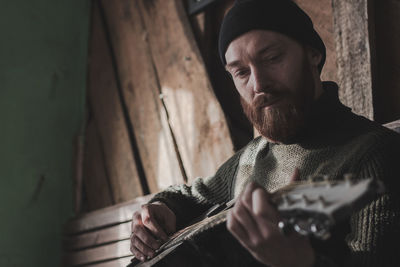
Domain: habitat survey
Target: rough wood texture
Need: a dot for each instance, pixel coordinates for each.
(354, 57)
(95, 238)
(101, 235)
(108, 114)
(101, 253)
(122, 262)
(195, 115)
(321, 14)
(96, 183)
(206, 29)
(387, 31)
(141, 93)
(106, 217)
(394, 125)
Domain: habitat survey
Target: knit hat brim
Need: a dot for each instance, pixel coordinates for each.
(282, 16)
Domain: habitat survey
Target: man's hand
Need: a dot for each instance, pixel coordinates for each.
(254, 222)
(150, 228)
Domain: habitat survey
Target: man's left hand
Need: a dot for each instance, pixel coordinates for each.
(254, 222)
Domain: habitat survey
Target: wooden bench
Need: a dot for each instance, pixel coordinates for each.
(101, 238)
(394, 125)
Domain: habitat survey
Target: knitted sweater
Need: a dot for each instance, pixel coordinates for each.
(335, 142)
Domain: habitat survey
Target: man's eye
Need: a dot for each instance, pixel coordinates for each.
(240, 73)
(273, 58)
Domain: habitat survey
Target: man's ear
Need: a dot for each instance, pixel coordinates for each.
(314, 56)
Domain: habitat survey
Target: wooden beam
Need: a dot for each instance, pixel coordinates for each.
(354, 54)
(195, 115)
(122, 262)
(394, 125)
(141, 93)
(206, 29)
(96, 183)
(99, 237)
(109, 216)
(387, 29)
(108, 114)
(99, 254)
(321, 14)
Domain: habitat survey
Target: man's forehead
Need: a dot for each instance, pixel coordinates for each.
(255, 42)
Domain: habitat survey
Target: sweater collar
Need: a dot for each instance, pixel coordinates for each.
(324, 114)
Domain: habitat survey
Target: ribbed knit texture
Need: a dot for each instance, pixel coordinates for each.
(336, 142)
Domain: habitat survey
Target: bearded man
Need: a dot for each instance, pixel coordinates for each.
(275, 58)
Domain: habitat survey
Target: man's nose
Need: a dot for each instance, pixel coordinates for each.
(260, 80)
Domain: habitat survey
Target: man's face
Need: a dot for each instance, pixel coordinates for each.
(275, 77)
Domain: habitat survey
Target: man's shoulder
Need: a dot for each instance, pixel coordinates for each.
(377, 131)
(375, 140)
(247, 153)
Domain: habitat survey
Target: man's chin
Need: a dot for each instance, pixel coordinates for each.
(278, 137)
(279, 125)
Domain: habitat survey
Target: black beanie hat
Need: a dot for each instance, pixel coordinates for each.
(282, 16)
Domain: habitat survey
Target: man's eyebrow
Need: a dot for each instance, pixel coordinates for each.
(259, 52)
(267, 48)
(232, 65)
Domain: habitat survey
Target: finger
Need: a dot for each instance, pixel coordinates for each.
(246, 196)
(141, 247)
(150, 222)
(138, 255)
(248, 237)
(136, 220)
(236, 229)
(147, 238)
(262, 207)
(295, 175)
(139, 230)
(169, 225)
(243, 217)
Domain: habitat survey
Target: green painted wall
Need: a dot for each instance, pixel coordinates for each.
(43, 57)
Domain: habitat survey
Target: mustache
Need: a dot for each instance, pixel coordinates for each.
(265, 99)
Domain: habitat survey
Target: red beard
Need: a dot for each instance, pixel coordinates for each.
(284, 121)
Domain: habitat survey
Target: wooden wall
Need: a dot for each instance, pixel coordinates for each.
(387, 45)
(162, 110)
(153, 117)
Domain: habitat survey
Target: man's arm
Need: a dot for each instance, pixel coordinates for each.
(189, 202)
(370, 241)
(177, 206)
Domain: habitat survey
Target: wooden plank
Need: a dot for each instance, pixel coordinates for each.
(107, 252)
(122, 262)
(95, 238)
(195, 115)
(105, 217)
(394, 125)
(387, 29)
(79, 154)
(97, 187)
(321, 14)
(354, 56)
(141, 91)
(108, 114)
(206, 29)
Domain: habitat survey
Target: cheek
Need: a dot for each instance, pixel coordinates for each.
(244, 92)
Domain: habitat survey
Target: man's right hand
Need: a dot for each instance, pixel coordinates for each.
(150, 229)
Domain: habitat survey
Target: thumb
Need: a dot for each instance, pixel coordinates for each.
(168, 219)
